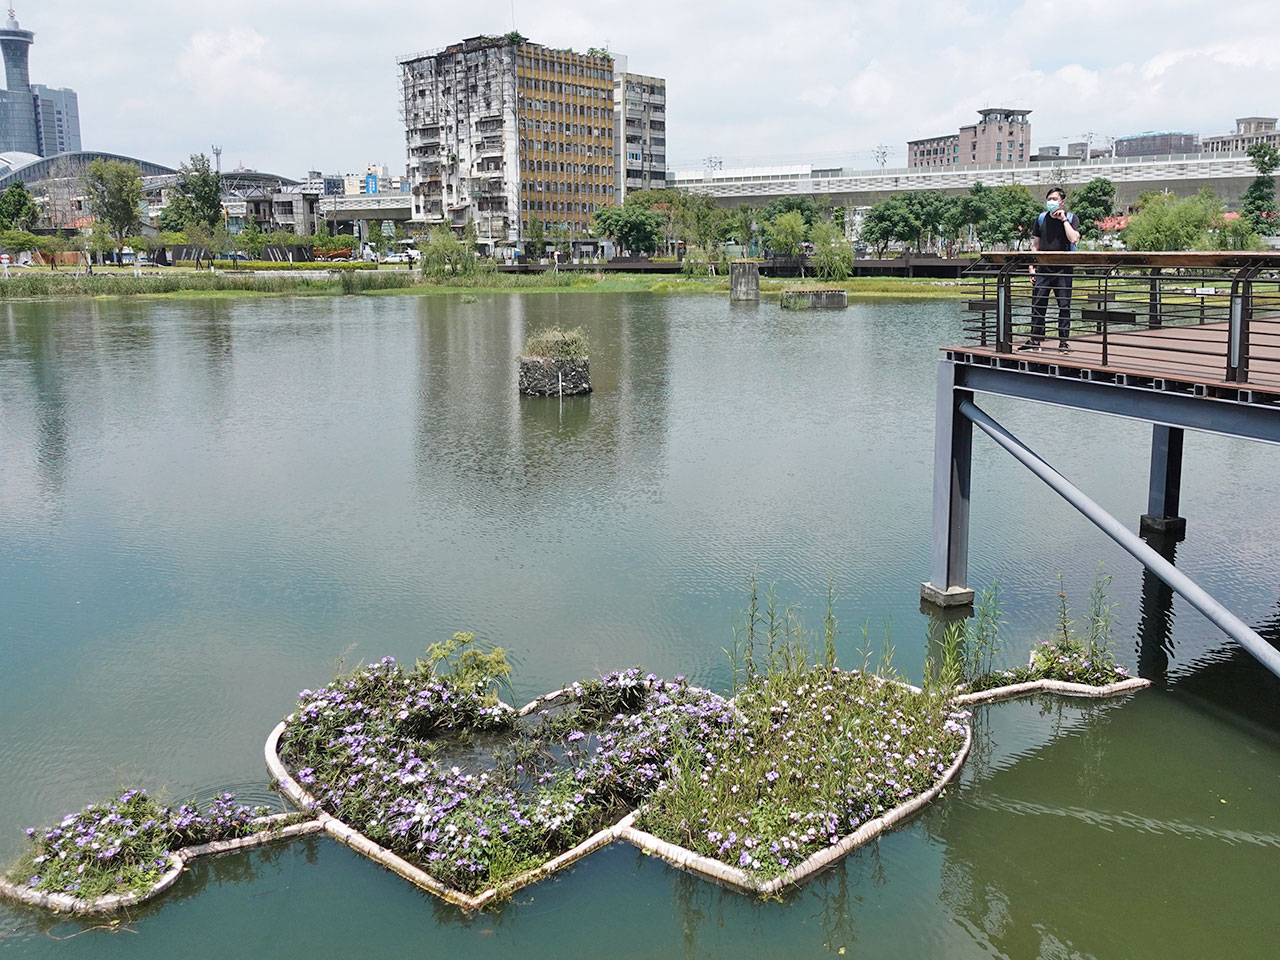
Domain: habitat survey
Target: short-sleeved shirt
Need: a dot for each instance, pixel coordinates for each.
(1052, 234)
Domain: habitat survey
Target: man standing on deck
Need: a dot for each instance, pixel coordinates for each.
(1055, 230)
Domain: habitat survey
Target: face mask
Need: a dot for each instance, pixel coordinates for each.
(1052, 205)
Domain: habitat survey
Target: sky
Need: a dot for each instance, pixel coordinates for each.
(287, 87)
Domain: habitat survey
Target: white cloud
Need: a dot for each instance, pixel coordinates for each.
(291, 85)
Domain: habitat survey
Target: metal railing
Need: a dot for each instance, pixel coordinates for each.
(1182, 318)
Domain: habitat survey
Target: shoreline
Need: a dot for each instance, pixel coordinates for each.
(62, 286)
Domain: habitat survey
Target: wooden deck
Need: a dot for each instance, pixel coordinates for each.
(1193, 354)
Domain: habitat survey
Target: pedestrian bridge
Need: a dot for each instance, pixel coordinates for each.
(1181, 341)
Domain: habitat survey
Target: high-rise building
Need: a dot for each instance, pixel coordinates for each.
(33, 118)
(639, 130)
(1003, 135)
(504, 132)
(57, 119)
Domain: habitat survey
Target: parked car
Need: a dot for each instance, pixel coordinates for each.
(396, 258)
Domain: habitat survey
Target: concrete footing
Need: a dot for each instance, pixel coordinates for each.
(1174, 528)
(950, 597)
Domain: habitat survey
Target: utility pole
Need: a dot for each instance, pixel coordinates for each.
(880, 153)
(217, 156)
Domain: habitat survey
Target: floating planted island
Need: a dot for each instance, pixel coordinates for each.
(119, 853)
(554, 363)
(427, 771)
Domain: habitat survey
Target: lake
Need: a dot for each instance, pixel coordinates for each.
(207, 505)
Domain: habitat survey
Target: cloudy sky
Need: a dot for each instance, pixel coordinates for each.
(287, 86)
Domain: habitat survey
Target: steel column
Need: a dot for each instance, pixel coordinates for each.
(1219, 615)
(952, 463)
(1166, 483)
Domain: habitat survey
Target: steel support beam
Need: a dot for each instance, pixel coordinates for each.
(952, 463)
(1219, 615)
(1227, 417)
(1166, 484)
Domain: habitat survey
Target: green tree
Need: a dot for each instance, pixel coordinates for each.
(1011, 214)
(535, 239)
(18, 241)
(632, 228)
(177, 213)
(697, 219)
(252, 240)
(965, 212)
(894, 218)
(17, 210)
(443, 254)
(115, 193)
(50, 247)
(1093, 202)
(469, 236)
(373, 236)
(742, 222)
(100, 240)
(1165, 222)
(1259, 200)
(832, 255)
(928, 209)
(202, 187)
(806, 206)
(786, 232)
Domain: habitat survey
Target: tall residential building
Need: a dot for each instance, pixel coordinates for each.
(57, 118)
(1003, 135)
(639, 130)
(33, 118)
(1249, 130)
(503, 131)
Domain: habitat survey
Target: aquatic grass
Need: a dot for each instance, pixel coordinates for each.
(124, 845)
(557, 344)
(814, 755)
(1072, 655)
(810, 751)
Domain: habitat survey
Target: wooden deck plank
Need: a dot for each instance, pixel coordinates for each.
(1194, 354)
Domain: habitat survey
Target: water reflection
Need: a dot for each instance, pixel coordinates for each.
(473, 425)
(1155, 621)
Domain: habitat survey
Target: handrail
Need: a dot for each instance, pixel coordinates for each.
(1207, 320)
(1200, 259)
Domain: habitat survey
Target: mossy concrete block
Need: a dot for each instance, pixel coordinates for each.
(815, 299)
(744, 280)
(547, 377)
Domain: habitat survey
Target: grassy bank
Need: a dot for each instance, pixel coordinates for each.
(40, 286)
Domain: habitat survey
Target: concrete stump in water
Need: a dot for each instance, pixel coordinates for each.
(549, 377)
(744, 280)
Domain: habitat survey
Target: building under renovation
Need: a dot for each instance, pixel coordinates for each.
(504, 132)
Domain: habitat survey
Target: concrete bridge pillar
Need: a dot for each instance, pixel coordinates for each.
(744, 280)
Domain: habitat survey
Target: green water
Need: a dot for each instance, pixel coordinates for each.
(204, 505)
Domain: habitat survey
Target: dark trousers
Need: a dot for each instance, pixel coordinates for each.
(1057, 279)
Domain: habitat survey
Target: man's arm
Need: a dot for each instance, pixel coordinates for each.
(1035, 245)
(1073, 235)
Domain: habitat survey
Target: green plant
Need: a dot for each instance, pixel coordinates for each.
(557, 344)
